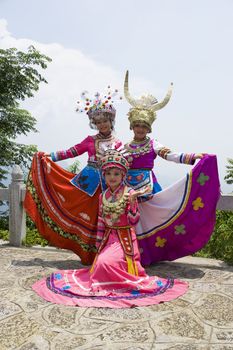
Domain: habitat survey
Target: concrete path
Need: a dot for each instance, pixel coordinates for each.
(201, 319)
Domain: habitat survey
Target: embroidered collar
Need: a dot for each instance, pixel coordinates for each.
(104, 137)
(138, 149)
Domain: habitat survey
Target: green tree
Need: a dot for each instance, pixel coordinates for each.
(19, 79)
(229, 176)
(75, 167)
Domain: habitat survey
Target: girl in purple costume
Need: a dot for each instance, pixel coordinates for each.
(180, 219)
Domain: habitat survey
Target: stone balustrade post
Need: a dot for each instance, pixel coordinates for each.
(17, 216)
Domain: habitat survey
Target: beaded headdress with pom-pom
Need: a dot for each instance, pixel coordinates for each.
(99, 105)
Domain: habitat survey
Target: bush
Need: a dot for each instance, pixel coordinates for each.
(32, 237)
(4, 234)
(220, 245)
(4, 222)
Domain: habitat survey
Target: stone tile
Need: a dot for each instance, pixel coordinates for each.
(133, 314)
(136, 333)
(115, 315)
(8, 308)
(213, 275)
(24, 267)
(26, 282)
(60, 317)
(182, 326)
(91, 326)
(6, 281)
(5, 263)
(35, 343)
(227, 278)
(215, 309)
(4, 293)
(184, 346)
(104, 346)
(221, 347)
(222, 336)
(202, 262)
(13, 252)
(191, 296)
(69, 342)
(227, 290)
(126, 346)
(154, 312)
(15, 330)
(204, 287)
(27, 300)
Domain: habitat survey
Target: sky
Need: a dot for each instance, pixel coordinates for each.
(92, 44)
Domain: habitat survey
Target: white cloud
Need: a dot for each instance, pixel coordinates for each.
(3, 29)
(70, 72)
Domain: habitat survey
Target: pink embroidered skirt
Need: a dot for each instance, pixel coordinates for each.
(109, 285)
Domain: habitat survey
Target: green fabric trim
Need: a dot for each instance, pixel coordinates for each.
(51, 224)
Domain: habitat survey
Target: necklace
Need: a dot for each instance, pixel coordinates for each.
(136, 148)
(115, 209)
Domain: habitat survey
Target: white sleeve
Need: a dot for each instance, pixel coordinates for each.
(168, 154)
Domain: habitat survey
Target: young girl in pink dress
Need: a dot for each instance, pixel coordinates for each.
(116, 278)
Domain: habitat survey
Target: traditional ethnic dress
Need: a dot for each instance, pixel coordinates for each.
(141, 157)
(64, 206)
(116, 278)
(180, 219)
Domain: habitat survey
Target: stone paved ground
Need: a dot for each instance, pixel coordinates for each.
(201, 319)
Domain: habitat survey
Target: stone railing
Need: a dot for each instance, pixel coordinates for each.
(15, 195)
(17, 219)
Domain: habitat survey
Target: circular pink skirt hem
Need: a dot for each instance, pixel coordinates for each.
(179, 288)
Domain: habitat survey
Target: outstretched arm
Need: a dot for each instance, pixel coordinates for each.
(168, 154)
(71, 152)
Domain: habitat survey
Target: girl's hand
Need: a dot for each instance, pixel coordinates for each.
(47, 155)
(135, 194)
(198, 156)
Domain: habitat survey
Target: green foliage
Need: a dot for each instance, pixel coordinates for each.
(229, 176)
(4, 222)
(4, 234)
(220, 245)
(32, 237)
(75, 167)
(18, 80)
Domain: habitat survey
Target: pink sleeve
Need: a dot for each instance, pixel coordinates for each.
(100, 224)
(72, 152)
(133, 211)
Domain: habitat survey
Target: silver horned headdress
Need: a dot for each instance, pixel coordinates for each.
(144, 108)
